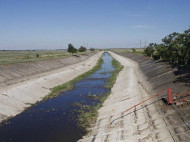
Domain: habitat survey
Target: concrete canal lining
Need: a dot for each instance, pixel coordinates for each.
(14, 98)
(57, 118)
(145, 125)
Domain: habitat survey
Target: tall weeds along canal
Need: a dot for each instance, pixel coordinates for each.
(66, 117)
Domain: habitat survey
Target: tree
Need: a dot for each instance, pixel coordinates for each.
(37, 55)
(134, 50)
(159, 52)
(71, 49)
(150, 49)
(175, 48)
(169, 42)
(187, 46)
(92, 49)
(82, 49)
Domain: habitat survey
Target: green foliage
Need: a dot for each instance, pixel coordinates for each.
(24, 56)
(150, 49)
(133, 49)
(117, 68)
(92, 49)
(82, 49)
(88, 114)
(175, 48)
(69, 85)
(37, 55)
(71, 49)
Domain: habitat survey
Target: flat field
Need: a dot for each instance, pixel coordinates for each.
(12, 57)
(127, 50)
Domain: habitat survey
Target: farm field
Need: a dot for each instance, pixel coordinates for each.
(127, 50)
(23, 56)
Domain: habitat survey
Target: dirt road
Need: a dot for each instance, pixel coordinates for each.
(16, 97)
(114, 124)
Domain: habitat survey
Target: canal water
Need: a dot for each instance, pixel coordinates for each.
(53, 120)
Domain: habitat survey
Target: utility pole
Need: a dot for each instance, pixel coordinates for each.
(140, 43)
(145, 43)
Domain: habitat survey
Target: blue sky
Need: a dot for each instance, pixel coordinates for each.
(52, 24)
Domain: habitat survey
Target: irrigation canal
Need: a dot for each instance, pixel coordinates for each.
(55, 120)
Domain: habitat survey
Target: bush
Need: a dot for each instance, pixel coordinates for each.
(37, 55)
(82, 49)
(71, 49)
(92, 49)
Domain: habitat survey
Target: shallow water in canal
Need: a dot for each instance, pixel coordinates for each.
(53, 120)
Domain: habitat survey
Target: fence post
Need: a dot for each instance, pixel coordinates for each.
(170, 99)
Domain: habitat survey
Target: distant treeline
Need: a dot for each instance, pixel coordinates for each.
(175, 48)
(72, 49)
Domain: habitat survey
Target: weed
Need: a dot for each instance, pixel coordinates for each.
(117, 68)
(88, 115)
(69, 85)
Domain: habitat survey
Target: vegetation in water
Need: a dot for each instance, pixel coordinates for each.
(69, 85)
(88, 114)
(117, 68)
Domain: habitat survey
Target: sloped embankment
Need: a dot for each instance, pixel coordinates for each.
(27, 90)
(10, 74)
(161, 76)
(119, 121)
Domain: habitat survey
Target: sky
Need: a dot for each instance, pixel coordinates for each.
(52, 24)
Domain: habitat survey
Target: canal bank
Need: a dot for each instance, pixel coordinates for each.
(162, 75)
(15, 98)
(114, 123)
(56, 119)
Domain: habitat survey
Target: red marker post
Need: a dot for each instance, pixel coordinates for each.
(170, 99)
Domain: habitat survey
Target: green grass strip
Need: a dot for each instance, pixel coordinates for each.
(117, 68)
(88, 115)
(70, 84)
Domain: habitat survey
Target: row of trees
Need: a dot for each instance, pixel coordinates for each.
(72, 49)
(175, 48)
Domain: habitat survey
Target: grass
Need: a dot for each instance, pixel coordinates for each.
(23, 56)
(117, 68)
(128, 50)
(88, 115)
(69, 85)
